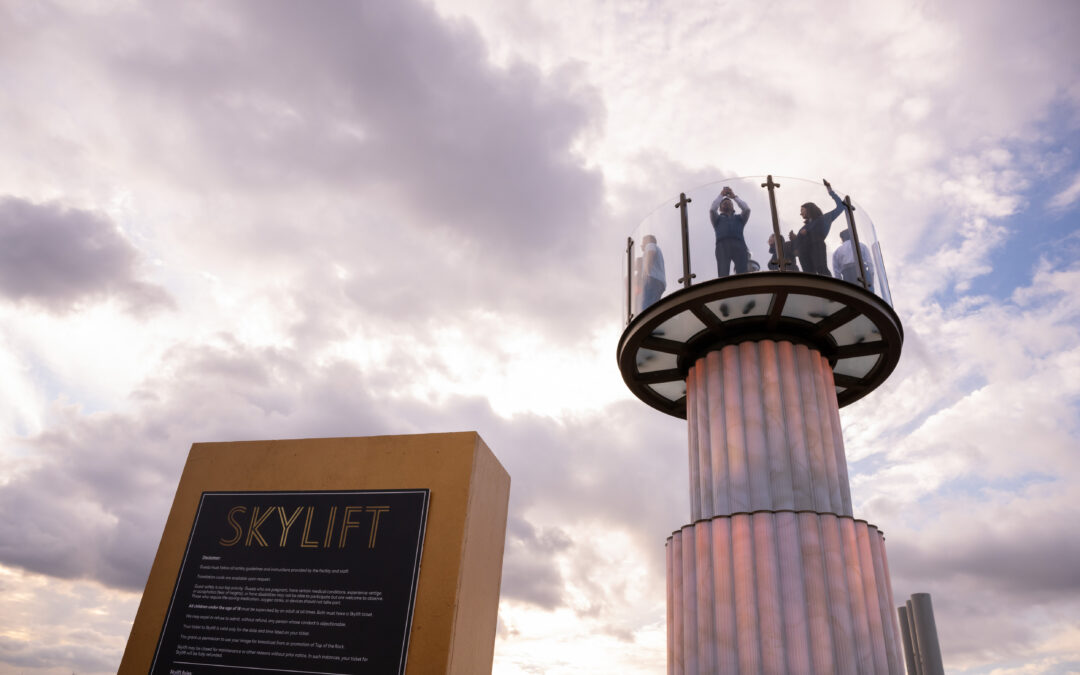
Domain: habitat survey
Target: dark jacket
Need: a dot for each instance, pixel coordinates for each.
(729, 225)
(789, 257)
(810, 241)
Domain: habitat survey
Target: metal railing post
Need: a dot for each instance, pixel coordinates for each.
(778, 246)
(629, 278)
(687, 276)
(855, 242)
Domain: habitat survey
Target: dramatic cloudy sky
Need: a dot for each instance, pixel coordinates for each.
(235, 220)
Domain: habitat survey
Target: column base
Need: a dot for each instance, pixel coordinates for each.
(780, 592)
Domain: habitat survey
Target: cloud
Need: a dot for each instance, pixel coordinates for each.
(529, 572)
(110, 475)
(967, 461)
(388, 103)
(60, 258)
(60, 626)
(1067, 197)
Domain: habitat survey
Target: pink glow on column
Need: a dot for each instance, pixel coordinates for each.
(817, 595)
(738, 464)
(775, 436)
(727, 645)
(717, 435)
(793, 414)
(689, 602)
(859, 619)
(829, 385)
(779, 592)
(873, 609)
(831, 438)
(770, 616)
(812, 413)
(896, 655)
(753, 415)
(671, 623)
(774, 575)
(706, 630)
(793, 592)
(696, 424)
(675, 603)
(746, 611)
(840, 619)
(761, 435)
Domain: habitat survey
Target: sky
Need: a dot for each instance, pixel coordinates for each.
(244, 220)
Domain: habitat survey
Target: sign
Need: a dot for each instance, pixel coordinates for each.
(298, 582)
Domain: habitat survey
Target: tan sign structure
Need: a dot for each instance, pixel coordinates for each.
(334, 555)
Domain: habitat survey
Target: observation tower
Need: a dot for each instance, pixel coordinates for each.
(773, 574)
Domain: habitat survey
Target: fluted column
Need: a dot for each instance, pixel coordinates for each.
(781, 592)
(765, 432)
(774, 575)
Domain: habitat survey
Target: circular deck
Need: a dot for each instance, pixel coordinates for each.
(857, 331)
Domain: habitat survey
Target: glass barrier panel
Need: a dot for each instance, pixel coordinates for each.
(656, 260)
(730, 231)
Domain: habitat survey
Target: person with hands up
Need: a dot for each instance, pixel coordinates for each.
(728, 227)
(810, 240)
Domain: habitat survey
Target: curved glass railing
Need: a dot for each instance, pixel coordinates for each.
(659, 256)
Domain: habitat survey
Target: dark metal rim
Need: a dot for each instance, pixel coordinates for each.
(772, 326)
(796, 511)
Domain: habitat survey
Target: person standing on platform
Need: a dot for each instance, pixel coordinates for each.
(652, 270)
(788, 248)
(730, 243)
(810, 240)
(846, 266)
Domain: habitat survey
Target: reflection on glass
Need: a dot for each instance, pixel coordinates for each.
(883, 282)
(680, 327)
(861, 329)
(649, 361)
(809, 308)
(756, 304)
(846, 263)
(672, 391)
(649, 278)
(857, 366)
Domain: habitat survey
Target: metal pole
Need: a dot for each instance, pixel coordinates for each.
(855, 241)
(781, 259)
(687, 276)
(629, 278)
(926, 633)
(909, 648)
(914, 638)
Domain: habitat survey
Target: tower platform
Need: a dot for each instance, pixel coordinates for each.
(857, 331)
(773, 574)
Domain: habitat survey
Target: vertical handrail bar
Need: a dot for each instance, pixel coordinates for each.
(687, 276)
(629, 278)
(855, 241)
(778, 238)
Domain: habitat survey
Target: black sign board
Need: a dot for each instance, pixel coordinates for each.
(296, 582)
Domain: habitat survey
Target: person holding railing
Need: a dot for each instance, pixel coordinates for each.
(728, 226)
(810, 241)
(846, 265)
